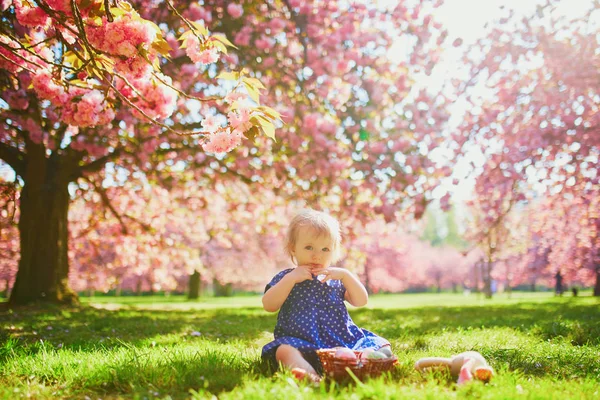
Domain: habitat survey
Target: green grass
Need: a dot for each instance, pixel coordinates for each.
(542, 347)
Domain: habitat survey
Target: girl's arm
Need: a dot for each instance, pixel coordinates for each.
(275, 296)
(356, 294)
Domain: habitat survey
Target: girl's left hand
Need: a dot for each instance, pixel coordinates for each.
(332, 273)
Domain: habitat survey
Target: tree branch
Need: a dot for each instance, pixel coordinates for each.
(107, 203)
(99, 163)
(13, 157)
(120, 217)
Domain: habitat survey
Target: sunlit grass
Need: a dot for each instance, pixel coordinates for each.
(152, 347)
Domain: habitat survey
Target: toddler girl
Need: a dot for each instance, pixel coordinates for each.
(310, 299)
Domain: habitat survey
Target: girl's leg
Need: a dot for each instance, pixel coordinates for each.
(291, 358)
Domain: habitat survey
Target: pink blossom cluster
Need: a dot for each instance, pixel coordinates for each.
(90, 110)
(240, 120)
(235, 10)
(34, 129)
(17, 100)
(29, 14)
(11, 62)
(155, 99)
(135, 67)
(264, 43)
(80, 107)
(196, 12)
(94, 150)
(199, 53)
(46, 87)
(222, 141)
(242, 38)
(211, 124)
(125, 36)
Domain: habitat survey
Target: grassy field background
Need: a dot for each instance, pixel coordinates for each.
(541, 346)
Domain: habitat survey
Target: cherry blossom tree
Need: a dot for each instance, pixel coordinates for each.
(357, 130)
(9, 254)
(83, 85)
(533, 113)
(389, 258)
(155, 239)
(574, 250)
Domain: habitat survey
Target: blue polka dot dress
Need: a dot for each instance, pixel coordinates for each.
(314, 317)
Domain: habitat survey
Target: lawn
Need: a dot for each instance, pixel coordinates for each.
(541, 347)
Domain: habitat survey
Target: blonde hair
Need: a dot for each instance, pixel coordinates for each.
(321, 222)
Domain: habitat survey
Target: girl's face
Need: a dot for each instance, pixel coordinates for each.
(312, 249)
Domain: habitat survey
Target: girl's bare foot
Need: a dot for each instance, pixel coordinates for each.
(302, 374)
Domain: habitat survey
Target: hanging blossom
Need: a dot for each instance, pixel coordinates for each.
(30, 15)
(15, 61)
(197, 53)
(222, 141)
(235, 10)
(210, 124)
(157, 100)
(78, 106)
(90, 110)
(124, 36)
(240, 120)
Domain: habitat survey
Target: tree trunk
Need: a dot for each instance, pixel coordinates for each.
(43, 227)
(476, 273)
(597, 286)
(194, 286)
(487, 279)
(119, 288)
(7, 288)
(221, 290)
(367, 280)
(532, 286)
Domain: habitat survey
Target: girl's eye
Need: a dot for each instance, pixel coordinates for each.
(325, 248)
(308, 247)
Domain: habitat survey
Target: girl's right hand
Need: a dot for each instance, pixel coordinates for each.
(301, 273)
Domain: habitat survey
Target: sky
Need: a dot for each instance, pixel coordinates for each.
(466, 19)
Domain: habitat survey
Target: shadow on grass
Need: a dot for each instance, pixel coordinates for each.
(576, 322)
(87, 328)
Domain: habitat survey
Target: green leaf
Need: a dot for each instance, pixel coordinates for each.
(252, 132)
(162, 47)
(200, 27)
(269, 112)
(220, 46)
(184, 35)
(363, 134)
(230, 76)
(253, 92)
(267, 126)
(155, 27)
(117, 12)
(269, 130)
(223, 39)
(125, 6)
(106, 62)
(254, 82)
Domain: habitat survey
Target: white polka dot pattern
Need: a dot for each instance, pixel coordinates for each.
(313, 317)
